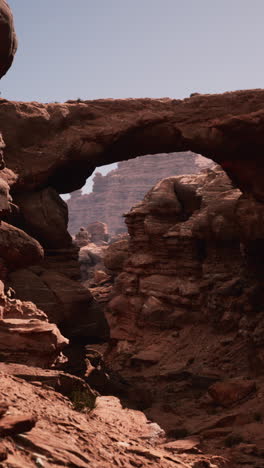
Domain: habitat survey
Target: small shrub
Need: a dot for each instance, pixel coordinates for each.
(257, 416)
(83, 400)
(233, 439)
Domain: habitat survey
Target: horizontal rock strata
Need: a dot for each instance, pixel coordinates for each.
(59, 145)
(186, 317)
(115, 193)
(26, 336)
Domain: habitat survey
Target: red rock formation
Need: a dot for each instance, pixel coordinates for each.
(104, 437)
(26, 336)
(59, 145)
(17, 248)
(119, 437)
(114, 194)
(178, 265)
(79, 136)
(98, 232)
(186, 310)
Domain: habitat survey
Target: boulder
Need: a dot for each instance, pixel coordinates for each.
(26, 336)
(44, 215)
(8, 39)
(18, 249)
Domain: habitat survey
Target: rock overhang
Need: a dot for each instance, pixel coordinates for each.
(60, 145)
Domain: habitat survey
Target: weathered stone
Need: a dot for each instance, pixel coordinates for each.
(84, 135)
(231, 392)
(189, 444)
(44, 215)
(17, 248)
(115, 255)
(98, 232)
(82, 238)
(26, 336)
(13, 425)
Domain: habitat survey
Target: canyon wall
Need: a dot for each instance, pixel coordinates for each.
(115, 193)
(186, 315)
(189, 240)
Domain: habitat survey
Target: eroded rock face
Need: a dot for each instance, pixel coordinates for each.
(186, 310)
(115, 193)
(44, 215)
(26, 336)
(17, 248)
(66, 302)
(73, 138)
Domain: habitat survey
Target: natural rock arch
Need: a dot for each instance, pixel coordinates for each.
(60, 145)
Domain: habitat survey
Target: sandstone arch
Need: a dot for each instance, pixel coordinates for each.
(60, 145)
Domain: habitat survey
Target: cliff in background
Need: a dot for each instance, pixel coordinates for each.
(115, 193)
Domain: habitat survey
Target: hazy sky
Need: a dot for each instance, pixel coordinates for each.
(134, 48)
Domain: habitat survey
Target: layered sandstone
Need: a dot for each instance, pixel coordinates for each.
(115, 193)
(26, 336)
(186, 316)
(40, 426)
(186, 319)
(52, 148)
(59, 145)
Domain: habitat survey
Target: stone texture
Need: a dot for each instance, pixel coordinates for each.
(91, 260)
(59, 145)
(52, 148)
(98, 232)
(66, 302)
(82, 238)
(13, 425)
(44, 216)
(231, 392)
(26, 336)
(115, 193)
(109, 435)
(116, 254)
(177, 265)
(17, 248)
(186, 307)
(66, 384)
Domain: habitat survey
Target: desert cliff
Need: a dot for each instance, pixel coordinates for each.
(173, 325)
(115, 193)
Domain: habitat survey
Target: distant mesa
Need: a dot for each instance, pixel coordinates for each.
(115, 193)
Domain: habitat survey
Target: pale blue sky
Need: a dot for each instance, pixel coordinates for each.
(122, 48)
(134, 48)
